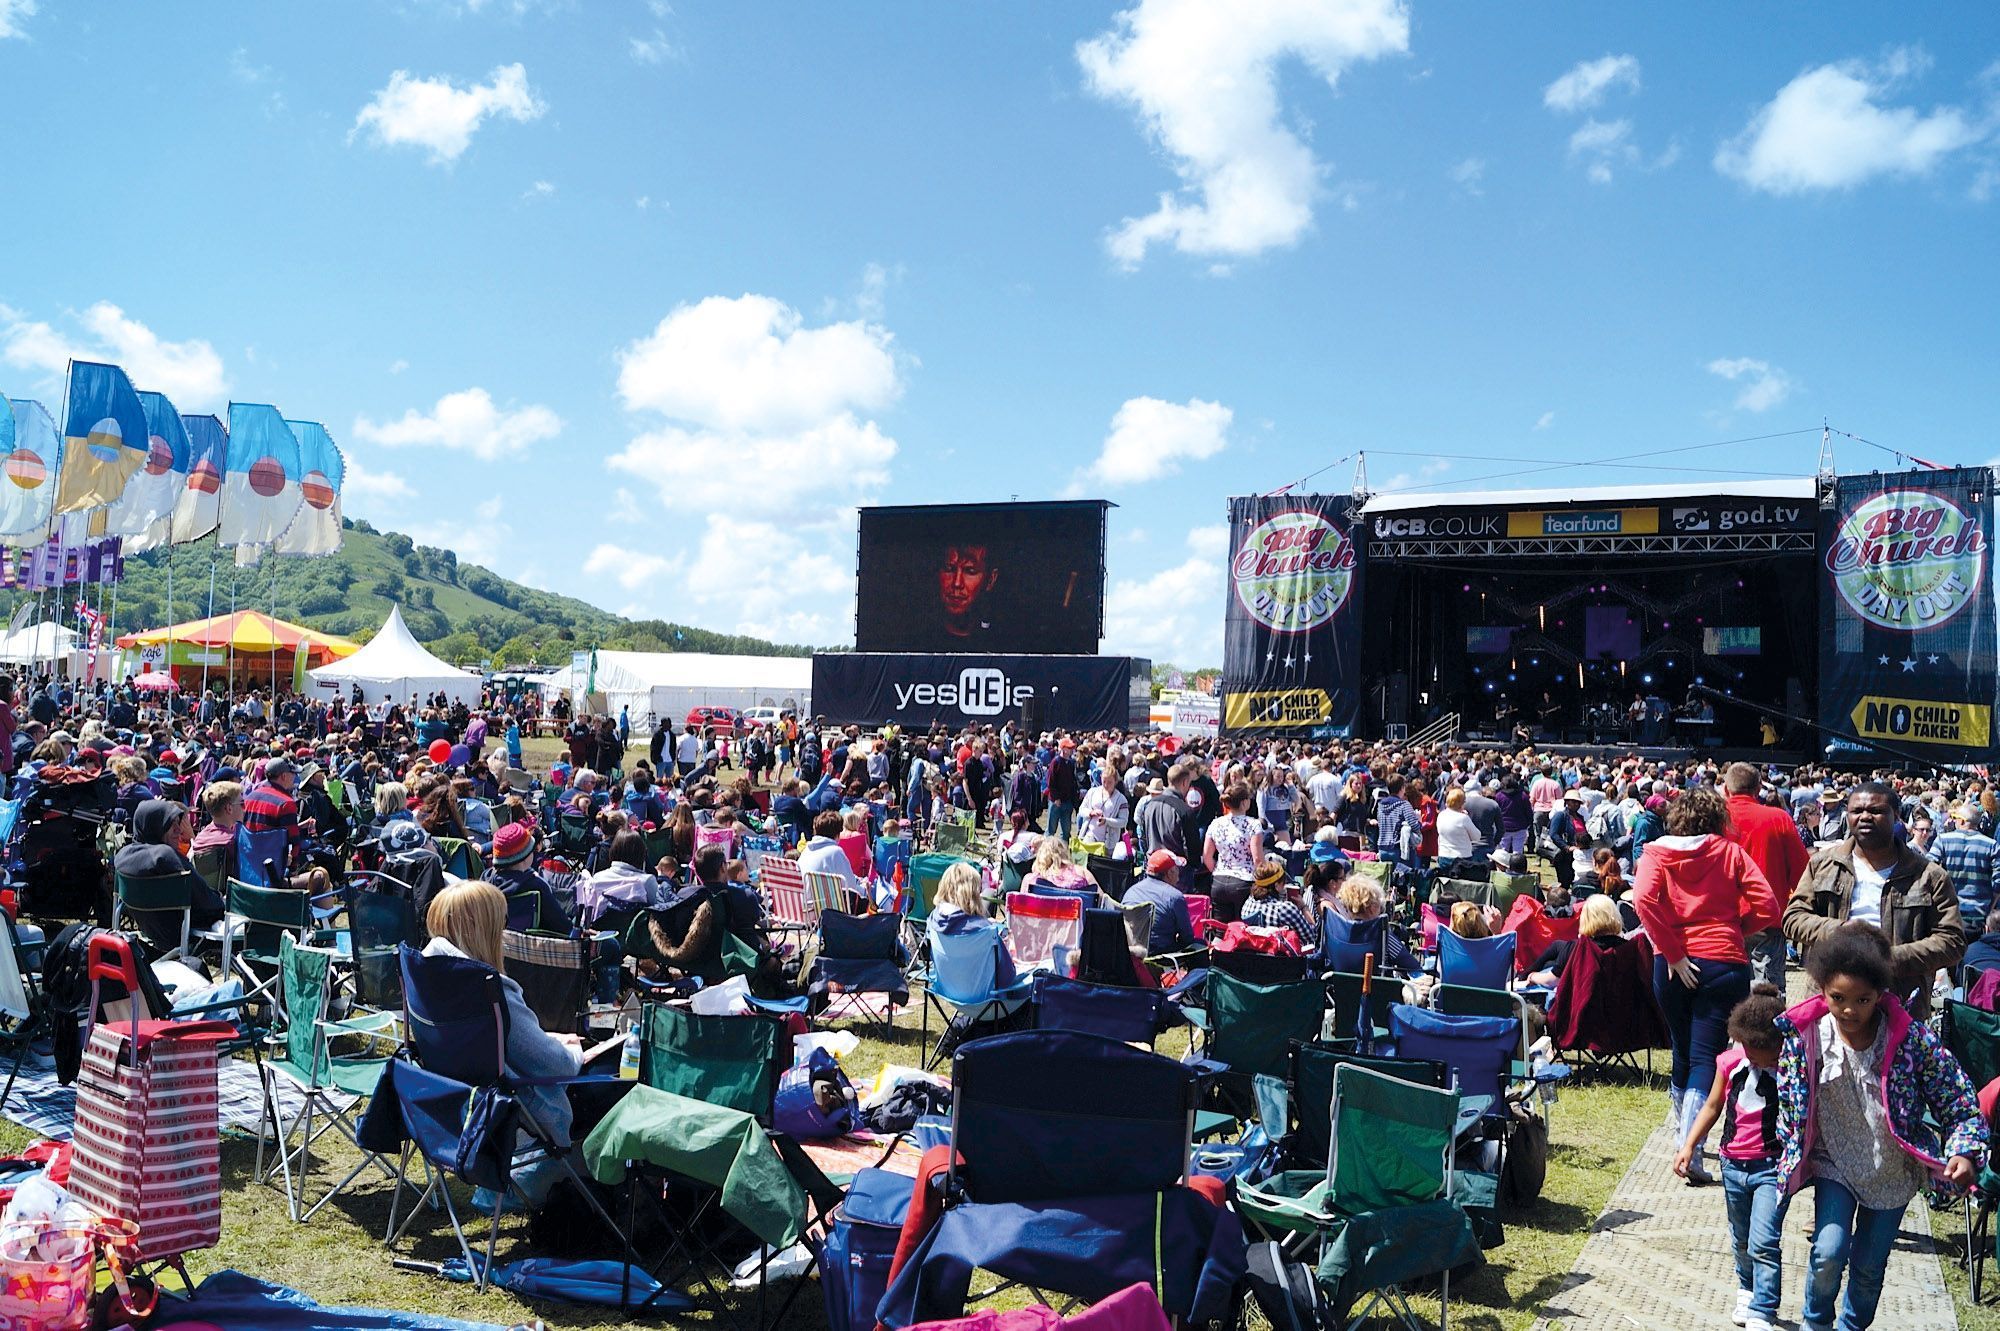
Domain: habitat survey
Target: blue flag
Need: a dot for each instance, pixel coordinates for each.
(105, 437)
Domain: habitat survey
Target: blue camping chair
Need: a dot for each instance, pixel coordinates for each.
(1123, 1013)
(1068, 1154)
(1344, 943)
(1475, 963)
(448, 1099)
(1087, 895)
(1481, 1052)
(859, 955)
(970, 972)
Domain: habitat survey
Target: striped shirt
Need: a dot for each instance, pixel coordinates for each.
(1973, 861)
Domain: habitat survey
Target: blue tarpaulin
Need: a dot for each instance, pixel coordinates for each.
(232, 1301)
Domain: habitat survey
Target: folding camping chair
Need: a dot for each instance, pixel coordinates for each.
(1042, 931)
(1068, 1152)
(1248, 1029)
(756, 850)
(1476, 963)
(256, 919)
(970, 972)
(554, 973)
(1112, 876)
(1259, 967)
(1973, 1036)
(1117, 1012)
(160, 909)
(827, 894)
(431, 1102)
(1604, 1006)
(733, 1061)
(1483, 1053)
(302, 1054)
(576, 835)
(461, 857)
(1382, 1215)
(23, 1013)
(859, 956)
(1344, 944)
(380, 919)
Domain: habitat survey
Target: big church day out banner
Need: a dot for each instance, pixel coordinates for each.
(1907, 645)
(1291, 650)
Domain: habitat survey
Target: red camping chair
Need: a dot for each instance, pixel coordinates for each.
(1604, 1004)
(1534, 929)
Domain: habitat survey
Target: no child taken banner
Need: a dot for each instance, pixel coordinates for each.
(1908, 647)
(1291, 647)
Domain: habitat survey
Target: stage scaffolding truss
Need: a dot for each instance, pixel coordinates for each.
(1706, 543)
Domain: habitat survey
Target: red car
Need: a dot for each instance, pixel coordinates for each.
(723, 720)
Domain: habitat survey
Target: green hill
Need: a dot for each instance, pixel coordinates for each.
(464, 613)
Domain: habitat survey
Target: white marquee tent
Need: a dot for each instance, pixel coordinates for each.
(667, 684)
(41, 642)
(393, 665)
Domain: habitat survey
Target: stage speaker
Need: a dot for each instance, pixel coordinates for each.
(1031, 717)
(1396, 699)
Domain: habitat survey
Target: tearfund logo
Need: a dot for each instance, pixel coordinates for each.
(1294, 571)
(1907, 559)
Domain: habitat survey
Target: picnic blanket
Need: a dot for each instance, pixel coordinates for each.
(43, 1105)
(232, 1301)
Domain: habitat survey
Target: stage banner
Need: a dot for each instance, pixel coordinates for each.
(1907, 632)
(1291, 650)
(917, 690)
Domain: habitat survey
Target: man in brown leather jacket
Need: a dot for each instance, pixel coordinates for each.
(1873, 877)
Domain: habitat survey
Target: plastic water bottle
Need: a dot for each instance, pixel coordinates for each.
(628, 1058)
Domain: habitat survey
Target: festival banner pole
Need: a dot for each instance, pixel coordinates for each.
(274, 636)
(211, 620)
(229, 647)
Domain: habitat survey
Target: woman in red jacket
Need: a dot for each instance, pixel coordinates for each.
(1699, 897)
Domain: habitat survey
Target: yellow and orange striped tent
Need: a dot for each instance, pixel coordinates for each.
(248, 631)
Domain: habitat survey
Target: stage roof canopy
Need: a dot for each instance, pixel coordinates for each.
(1609, 496)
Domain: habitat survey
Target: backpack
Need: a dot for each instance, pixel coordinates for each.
(1605, 823)
(1287, 1292)
(1526, 1166)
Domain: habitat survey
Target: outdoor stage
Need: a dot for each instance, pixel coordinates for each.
(1844, 610)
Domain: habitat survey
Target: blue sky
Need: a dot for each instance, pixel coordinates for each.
(637, 302)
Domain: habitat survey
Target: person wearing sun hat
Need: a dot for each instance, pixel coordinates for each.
(512, 870)
(1271, 906)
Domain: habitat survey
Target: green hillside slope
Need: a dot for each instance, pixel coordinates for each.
(465, 613)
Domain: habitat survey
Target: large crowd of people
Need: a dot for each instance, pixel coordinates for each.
(1875, 882)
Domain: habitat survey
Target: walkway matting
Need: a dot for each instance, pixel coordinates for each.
(1658, 1259)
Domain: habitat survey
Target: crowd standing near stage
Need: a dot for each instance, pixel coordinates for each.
(1881, 885)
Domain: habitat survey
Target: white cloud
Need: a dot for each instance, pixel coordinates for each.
(1827, 130)
(625, 507)
(13, 14)
(467, 420)
(541, 189)
(650, 50)
(750, 364)
(1150, 438)
(483, 540)
(1469, 175)
(776, 581)
(1545, 420)
(1602, 144)
(1587, 82)
(1176, 614)
(1203, 78)
(189, 372)
(630, 569)
(1764, 384)
(438, 115)
(398, 365)
(365, 482)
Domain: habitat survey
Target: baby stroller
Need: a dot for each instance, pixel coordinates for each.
(63, 871)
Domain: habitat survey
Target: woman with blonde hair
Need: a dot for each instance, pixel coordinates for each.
(960, 890)
(467, 920)
(1054, 866)
(1597, 921)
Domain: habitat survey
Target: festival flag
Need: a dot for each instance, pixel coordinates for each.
(104, 434)
(260, 486)
(316, 528)
(199, 506)
(150, 494)
(29, 447)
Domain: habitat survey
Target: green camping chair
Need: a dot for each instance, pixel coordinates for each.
(1248, 1029)
(1384, 1211)
(257, 922)
(1973, 1036)
(461, 857)
(730, 1061)
(329, 1085)
(159, 909)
